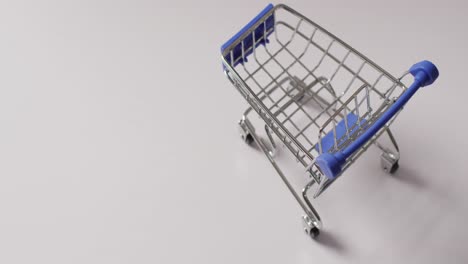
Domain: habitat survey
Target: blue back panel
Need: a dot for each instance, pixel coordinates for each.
(249, 40)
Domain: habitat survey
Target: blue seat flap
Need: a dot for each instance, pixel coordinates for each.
(328, 141)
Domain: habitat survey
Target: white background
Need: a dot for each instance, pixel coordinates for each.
(119, 143)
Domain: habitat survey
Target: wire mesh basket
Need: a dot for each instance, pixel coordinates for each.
(323, 100)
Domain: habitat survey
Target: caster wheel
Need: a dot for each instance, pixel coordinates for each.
(244, 131)
(389, 162)
(394, 168)
(248, 139)
(314, 232)
(310, 227)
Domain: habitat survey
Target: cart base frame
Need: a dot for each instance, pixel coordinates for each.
(312, 222)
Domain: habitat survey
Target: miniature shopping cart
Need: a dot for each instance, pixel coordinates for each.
(315, 96)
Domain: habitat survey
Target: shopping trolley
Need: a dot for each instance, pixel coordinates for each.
(316, 96)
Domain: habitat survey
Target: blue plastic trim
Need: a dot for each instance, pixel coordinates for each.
(424, 73)
(248, 41)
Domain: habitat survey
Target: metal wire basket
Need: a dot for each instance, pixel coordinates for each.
(322, 99)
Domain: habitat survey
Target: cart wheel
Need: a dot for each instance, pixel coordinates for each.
(314, 232)
(389, 162)
(248, 139)
(244, 125)
(394, 168)
(310, 227)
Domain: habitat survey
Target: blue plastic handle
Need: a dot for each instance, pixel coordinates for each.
(424, 73)
(248, 41)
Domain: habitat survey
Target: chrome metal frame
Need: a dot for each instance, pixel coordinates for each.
(281, 97)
